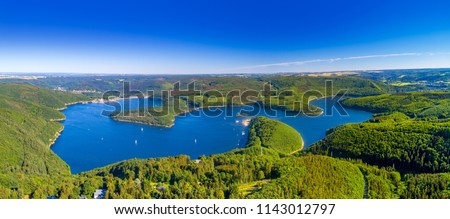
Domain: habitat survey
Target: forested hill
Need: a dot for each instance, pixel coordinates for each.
(416, 104)
(27, 130)
(275, 135)
(36, 101)
(394, 140)
(411, 134)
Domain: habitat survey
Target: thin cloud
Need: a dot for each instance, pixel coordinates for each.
(286, 64)
(384, 56)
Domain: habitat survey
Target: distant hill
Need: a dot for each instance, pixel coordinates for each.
(414, 104)
(36, 101)
(296, 85)
(407, 80)
(41, 96)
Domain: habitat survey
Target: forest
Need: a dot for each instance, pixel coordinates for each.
(28, 127)
(409, 135)
(393, 140)
(273, 134)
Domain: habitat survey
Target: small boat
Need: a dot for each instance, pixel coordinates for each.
(237, 121)
(142, 129)
(102, 139)
(135, 141)
(243, 132)
(195, 140)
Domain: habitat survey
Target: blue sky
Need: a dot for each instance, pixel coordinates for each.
(176, 36)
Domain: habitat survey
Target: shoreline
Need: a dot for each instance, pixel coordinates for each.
(56, 136)
(143, 123)
(303, 147)
(96, 100)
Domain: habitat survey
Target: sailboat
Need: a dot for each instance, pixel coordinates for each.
(195, 140)
(135, 142)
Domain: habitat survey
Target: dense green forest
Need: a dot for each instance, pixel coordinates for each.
(394, 140)
(27, 128)
(426, 186)
(313, 177)
(403, 153)
(411, 135)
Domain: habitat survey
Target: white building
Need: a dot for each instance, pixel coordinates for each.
(99, 193)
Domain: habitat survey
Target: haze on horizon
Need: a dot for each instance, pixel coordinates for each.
(199, 36)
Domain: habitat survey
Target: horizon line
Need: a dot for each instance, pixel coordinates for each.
(225, 73)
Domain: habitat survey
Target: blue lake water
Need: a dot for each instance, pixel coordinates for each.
(92, 140)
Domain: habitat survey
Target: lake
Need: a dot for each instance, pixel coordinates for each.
(91, 140)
